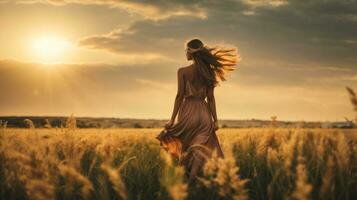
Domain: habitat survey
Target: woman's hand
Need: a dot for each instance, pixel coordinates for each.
(216, 127)
(169, 124)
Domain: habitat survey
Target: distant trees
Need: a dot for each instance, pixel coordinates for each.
(138, 125)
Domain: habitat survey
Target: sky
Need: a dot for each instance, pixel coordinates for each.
(119, 58)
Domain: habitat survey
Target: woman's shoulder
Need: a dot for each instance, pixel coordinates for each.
(184, 69)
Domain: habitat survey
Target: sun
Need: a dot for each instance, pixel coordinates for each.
(49, 49)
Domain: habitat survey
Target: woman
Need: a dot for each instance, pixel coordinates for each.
(192, 138)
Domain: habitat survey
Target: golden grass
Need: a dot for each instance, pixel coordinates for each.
(262, 163)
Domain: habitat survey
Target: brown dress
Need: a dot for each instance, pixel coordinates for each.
(192, 137)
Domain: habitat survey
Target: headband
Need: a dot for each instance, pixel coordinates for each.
(192, 50)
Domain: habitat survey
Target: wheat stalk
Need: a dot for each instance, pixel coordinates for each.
(353, 97)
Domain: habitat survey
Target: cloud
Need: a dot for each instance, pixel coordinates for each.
(145, 37)
(265, 3)
(315, 32)
(155, 9)
(162, 9)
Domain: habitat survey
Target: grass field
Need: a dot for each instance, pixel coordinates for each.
(267, 163)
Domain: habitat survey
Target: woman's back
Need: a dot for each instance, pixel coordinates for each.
(193, 88)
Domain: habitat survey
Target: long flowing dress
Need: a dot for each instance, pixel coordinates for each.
(192, 138)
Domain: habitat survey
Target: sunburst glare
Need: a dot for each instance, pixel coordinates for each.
(49, 49)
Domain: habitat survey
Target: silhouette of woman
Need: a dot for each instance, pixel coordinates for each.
(190, 135)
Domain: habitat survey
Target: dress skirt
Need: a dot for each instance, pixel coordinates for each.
(192, 139)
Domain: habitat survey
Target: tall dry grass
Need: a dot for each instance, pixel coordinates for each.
(268, 163)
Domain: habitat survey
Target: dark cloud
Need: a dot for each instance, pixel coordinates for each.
(310, 32)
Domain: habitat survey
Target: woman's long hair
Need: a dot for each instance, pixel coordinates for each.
(213, 63)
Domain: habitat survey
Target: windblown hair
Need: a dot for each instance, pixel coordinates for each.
(213, 63)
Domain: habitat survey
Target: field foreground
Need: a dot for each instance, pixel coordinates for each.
(105, 164)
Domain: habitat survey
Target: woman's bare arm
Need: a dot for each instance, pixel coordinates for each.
(180, 94)
(212, 105)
